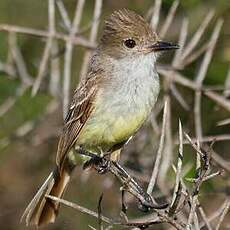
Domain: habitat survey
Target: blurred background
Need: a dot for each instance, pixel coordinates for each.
(30, 125)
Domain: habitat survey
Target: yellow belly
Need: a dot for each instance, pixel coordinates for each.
(104, 131)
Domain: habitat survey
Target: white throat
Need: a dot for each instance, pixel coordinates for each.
(135, 81)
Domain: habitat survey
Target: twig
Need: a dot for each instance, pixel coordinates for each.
(206, 177)
(223, 122)
(224, 212)
(154, 124)
(159, 153)
(195, 146)
(200, 78)
(207, 58)
(64, 14)
(169, 19)
(7, 105)
(203, 215)
(182, 80)
(82, 209)
(153, 219)
(227, 84)
(217, 158)
(182, 39)
(221, 137)
(47, 50)
(156, 14)
(196, 38)
(77, 40)
(179, 97)
(10, 102)
(218, 173)
(19, 60)
(168, 149)
(68, 55)
(220, 100)
(92, 36)
(178, 187)
(215, 214)
(201, 171)
(8, 69)
(99, 208)
(55, 75)
(192, 214)
(195, 55)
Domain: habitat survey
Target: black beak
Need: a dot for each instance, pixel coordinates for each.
(160, 46)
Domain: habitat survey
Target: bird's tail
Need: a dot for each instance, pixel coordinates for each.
(42, 210)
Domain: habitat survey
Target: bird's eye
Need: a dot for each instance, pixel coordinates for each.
(130, 43)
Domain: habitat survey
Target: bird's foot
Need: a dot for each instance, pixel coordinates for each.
(102, 166)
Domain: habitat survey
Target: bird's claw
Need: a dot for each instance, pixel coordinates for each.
(102, 166)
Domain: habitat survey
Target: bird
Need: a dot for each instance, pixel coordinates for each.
(109, 106)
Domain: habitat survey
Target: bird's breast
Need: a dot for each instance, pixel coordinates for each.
(120, 110)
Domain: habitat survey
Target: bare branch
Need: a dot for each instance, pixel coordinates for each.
(159, 153)
(182, 80)
(223, 122)
(217, 158)
(156, 14)
(182, 40)
(221, 137)
(227, 84)
(206, 221)
(19, 60)
(200, 78)
(77, 40)
(68, 55)
(169, 19)
(64, 14)
(47, 50)
(168, 145)
(224, 212)
(8, 69)
(195, 55)
(196, 38)
(220, 100)
(179, 97)
(177, 187)
(81, 209)
(92, 37)
(55, 74)
(208, 55)
(10, 102)
(195, 146)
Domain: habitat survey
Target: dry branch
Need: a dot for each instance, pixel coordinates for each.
(77, 40)
(155, 171)
(92, 36)
(68, 55)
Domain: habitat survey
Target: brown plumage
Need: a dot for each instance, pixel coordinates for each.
(79, 112)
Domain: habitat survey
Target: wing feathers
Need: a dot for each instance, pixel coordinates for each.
(79, 112)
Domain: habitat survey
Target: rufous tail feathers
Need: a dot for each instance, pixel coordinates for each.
(42, 210)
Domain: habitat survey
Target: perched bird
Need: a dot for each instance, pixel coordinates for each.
(109, 106)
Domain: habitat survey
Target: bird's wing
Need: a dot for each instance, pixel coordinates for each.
(79, 112)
